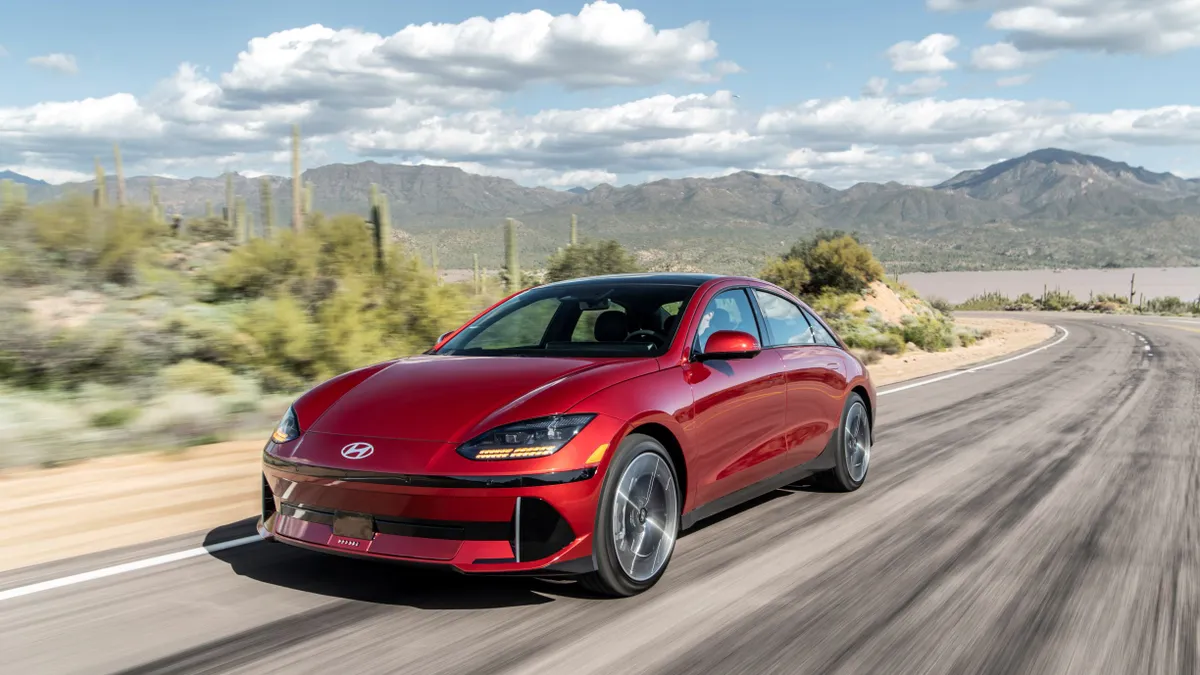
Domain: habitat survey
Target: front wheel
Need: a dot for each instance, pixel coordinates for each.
(637, 519)
(853, 445)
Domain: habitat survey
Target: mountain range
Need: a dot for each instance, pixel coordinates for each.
(1050, 207)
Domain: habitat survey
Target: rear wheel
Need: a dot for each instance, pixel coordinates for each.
(853, 448)
(637, 519)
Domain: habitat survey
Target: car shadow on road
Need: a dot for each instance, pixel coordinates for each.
(804, 485)
(378, 581)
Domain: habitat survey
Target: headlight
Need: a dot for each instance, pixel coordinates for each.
(288, 429)
(522, 440)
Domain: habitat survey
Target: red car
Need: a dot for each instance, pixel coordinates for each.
(574, 429)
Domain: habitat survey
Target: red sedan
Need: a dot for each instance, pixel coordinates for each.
(573, 429)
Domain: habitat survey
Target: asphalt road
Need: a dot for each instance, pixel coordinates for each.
(1040, 516)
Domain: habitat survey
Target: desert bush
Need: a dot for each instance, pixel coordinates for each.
(832, 303)
(832, 260)
(993, 301)
(589, 259)
(106, 243)
(931, 334)
(209, 229)
(114, 417)
(941, 304)
(191, 375)
(1057, 301)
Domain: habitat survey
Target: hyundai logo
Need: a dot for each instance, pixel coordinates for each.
(357, 450)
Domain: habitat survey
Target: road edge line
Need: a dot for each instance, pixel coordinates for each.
(1066, 334)
(21, 591)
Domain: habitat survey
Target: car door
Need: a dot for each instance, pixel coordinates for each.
(815, 374)
(739, 404)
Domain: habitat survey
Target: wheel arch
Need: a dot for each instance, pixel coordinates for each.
(865, 396)
(668, 440)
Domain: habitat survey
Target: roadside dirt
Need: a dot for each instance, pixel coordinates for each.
(110, 502)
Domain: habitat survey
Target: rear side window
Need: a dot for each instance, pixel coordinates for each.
(785, 321)
(822, 336)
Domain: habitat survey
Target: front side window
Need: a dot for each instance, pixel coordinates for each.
(580, 319)
(729, 310)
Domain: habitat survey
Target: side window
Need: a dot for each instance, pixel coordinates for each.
(823, 337)
(786, 322)
(730, 310)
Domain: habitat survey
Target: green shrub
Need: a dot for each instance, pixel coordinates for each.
(827, 261)
(941, 304)
(890, 343)
(207, 378)
(993, 301)
(931, 334)
(114, 418)
(590, 259)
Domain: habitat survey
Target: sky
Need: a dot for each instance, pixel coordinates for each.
(566, 94)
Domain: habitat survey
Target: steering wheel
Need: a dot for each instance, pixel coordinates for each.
(655, 337)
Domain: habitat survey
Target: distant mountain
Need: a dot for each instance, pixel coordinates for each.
(1049, 207)
(18, 178)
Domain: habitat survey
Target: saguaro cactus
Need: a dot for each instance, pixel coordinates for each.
(229, 214)
(155, 207)
(574, 230)
(477, 287)
(100, 194)
(120, 175)
(241, 220)
(512, 268)
(297, 199)
(267, 203)
(381, 224)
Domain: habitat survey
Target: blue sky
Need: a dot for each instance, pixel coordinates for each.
(806, 63)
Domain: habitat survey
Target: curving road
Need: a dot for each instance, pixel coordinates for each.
(1041, 515)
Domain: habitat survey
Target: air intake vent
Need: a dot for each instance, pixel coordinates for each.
(268, 500)
(538, 530)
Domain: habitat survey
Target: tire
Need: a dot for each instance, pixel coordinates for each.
(848, 475)
(640, 467)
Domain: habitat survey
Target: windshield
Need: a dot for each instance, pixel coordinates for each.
(591, 319)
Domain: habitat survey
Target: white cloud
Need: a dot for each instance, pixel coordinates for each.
(437, 94)
(1004, 56)
(1114, 26)
(469, 63)
(875, 87)
(1014, 80)
(922, 86)
(62, 63)
(926, 56)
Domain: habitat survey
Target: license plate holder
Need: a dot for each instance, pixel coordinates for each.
(354, 525)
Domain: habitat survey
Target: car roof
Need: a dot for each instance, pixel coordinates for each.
(654, 278)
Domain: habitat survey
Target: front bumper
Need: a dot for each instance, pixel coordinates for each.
(479, 524)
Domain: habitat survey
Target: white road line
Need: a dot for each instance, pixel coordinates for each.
(21, 591)
(123, 568)
(947, 376)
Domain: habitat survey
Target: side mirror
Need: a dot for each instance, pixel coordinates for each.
(442, 337)
(729, 344)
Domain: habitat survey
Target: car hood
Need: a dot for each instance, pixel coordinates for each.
(454, 398)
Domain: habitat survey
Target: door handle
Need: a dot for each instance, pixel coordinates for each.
(833, 365)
